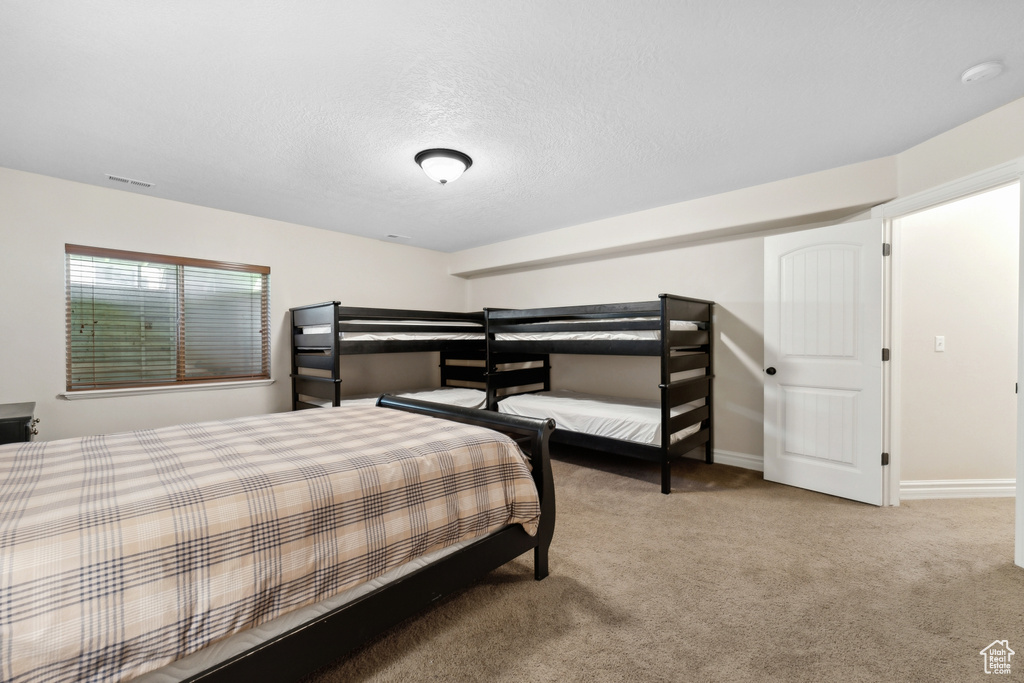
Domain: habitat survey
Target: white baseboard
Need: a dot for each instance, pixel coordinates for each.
(909, 490)
(744, 460)
(958, 488)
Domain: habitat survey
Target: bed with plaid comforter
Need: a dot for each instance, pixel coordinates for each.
(121, 553)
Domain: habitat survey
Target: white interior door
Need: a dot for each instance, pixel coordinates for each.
(823, 360)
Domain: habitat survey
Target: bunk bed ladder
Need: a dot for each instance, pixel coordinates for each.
(535, 378)
(326, 387)
(675, 393)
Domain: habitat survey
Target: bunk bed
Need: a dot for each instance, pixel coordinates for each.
(122, 552)
(324, 334)
(675, 329)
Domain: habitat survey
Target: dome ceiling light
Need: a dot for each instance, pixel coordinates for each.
(443, 165)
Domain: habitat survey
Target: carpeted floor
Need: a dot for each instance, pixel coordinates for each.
(729, 578)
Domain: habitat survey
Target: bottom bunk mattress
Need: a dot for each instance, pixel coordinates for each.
(121, 553)
(625, 419)
(452, 396)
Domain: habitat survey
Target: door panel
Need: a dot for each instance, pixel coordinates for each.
(819, 423)
(819, 302)
(823, 340)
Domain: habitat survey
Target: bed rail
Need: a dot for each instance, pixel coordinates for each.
(620, 317)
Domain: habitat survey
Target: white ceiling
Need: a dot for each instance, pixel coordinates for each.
(310, 111)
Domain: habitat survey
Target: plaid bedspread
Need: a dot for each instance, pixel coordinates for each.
(121, 553)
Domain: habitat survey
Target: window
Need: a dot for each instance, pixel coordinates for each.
(136, 320)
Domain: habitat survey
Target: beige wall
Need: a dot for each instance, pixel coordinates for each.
(826, 196)
(39, 215)
(959, 280)
(978, 145)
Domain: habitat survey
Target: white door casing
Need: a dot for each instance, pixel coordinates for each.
(823, 360)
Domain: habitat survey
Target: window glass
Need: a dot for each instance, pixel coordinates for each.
(146, 319)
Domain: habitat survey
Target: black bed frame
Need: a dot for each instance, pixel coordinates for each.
(322, 353)
(504, 368)
(335, 634)
(679, 351)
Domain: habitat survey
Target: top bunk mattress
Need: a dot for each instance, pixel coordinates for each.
(596, 334)
(404, 331)
(626, 419)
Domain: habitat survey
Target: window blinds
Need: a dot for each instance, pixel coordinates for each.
(145, 319)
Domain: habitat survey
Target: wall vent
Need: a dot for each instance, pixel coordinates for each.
(129, 181)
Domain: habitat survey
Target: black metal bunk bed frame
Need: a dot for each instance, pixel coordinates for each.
(322, 352)
(339, 632)
(679, 350)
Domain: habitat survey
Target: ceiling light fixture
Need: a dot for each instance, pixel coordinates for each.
(981, 72)
(443, 165)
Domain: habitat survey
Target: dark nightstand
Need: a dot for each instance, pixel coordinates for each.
(16, 422)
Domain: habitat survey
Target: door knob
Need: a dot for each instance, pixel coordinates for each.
(771, 371)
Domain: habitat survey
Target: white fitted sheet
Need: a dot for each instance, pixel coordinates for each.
(597, 335)
(473, 331)
(453, 396)
(626, 419)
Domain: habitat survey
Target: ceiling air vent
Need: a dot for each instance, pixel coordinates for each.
(129, 181)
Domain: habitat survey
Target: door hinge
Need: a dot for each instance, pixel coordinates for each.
(885, 354)
(885, 459)
(886, 249)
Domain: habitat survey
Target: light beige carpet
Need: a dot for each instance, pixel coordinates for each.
(729, 578)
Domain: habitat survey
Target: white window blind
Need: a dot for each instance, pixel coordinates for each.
(138, 319)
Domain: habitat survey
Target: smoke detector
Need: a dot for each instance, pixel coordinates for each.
(981, 72)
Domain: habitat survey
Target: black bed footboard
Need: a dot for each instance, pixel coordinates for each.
(531, 434)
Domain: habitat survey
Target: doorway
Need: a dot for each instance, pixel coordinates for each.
(955, 349)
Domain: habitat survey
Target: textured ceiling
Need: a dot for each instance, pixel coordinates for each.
(310, 111)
